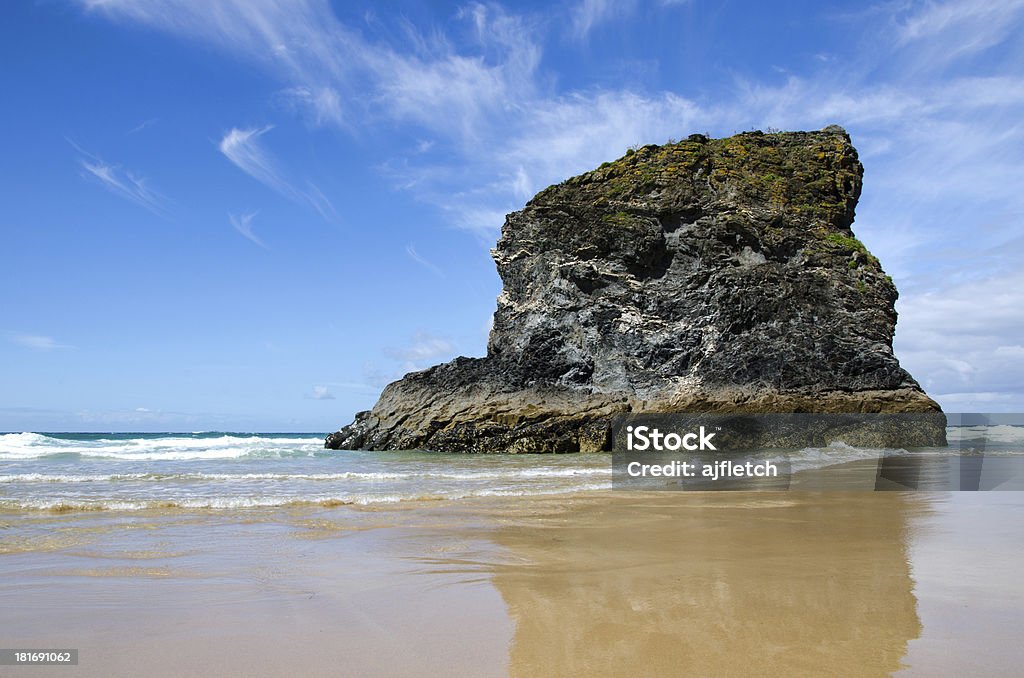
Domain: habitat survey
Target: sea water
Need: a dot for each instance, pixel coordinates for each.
(223, 470)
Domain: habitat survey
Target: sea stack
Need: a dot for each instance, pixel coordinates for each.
(708, 275)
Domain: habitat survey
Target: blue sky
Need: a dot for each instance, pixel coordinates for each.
(252, 214)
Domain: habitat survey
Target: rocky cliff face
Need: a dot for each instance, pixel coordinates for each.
(709, 275)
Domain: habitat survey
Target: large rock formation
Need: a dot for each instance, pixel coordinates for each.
(709, 275)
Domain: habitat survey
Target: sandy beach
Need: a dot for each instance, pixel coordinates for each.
(579, 339)
(599, 583)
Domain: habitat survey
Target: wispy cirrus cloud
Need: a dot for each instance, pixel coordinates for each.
(143, 125)
(556, 138)
(243, 224)
(506, 133)
(322, 105)
(299, 40)
(419, 259)
(244, 149)
(36, 342)
(957, 28)
(120, 182)
(586, 14)
(338, 76)
(935, 108)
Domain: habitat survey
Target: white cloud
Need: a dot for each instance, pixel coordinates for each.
(954, 29)
(323, 63)
(963, 339)
(939, 129)
(322, 104)
(143, 125)
(37, 342)
(425, 347)
(984, 398)
(577, 132)
(483, 220)
(455, 95)
(319, 202)
(461, 97)
(124, 184)
(490, 100)
(243, 148)
(299, 40)
(321, 393)
(587, 14)
(547, 141)
(418, 258)
(243, 224)
(120, 182)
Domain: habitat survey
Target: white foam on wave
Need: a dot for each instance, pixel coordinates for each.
(1001, 433)
(25, 439)
(200, 454)
(507, 474)
(255, 502)
(835, 453)
(14, 446)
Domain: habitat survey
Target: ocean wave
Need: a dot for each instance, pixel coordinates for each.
(20, 446)
(812, 458)
(1001, 433)
(25, 439)
(67, 505)
(507, 474)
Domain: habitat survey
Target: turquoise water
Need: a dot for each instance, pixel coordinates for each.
(222, 470)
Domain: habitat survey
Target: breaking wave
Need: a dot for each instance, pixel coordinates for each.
(18, 446)
(62, 505)
(508, 474)
(238, 471)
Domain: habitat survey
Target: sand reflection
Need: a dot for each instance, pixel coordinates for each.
(711, 584)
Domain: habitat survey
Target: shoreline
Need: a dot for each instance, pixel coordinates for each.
(861, 470)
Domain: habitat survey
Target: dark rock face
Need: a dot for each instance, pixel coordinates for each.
(709, 275)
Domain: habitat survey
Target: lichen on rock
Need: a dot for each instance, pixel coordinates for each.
(708, 275)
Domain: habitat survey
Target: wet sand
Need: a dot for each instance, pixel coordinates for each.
(605, 583)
